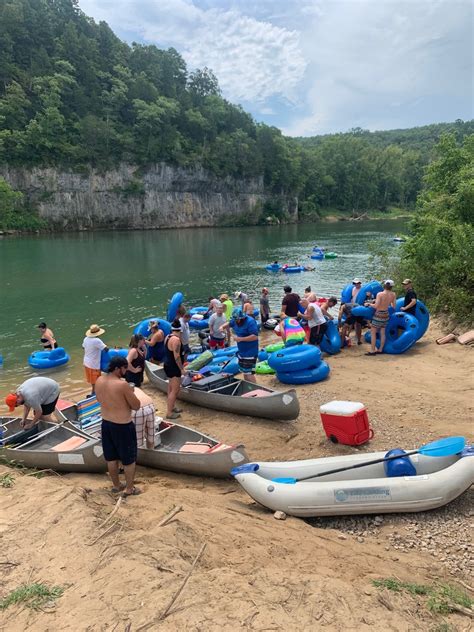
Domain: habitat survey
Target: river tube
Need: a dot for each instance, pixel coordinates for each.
(143, 327)
(305, 376)
(422, 315)
(401, 333)
(175, 304)
(48, 359)
(296, 358)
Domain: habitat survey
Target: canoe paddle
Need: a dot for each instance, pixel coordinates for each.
(441, 447)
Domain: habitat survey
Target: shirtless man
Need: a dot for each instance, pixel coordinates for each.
(380, 319)
(119, 437)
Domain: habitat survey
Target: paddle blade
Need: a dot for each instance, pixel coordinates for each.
(444, 447)
(286, 481)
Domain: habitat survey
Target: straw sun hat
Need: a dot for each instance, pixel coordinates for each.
(94, 331)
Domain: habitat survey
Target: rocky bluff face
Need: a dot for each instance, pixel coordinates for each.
(160, 196)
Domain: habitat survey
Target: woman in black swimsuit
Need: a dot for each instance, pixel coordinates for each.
(136, 360)
(173, 367)
(47, 337)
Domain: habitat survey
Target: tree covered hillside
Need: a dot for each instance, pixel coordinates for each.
(73, 95)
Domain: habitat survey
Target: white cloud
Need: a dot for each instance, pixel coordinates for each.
(386, 64)
(318, 66)
(253, 59)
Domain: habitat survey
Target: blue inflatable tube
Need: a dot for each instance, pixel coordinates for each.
(296, 358)
(331, 342)
(198, 310)
(364, 312)
(317, 255)
(346, 294)
(396, 342)
(231, 367)
(305, 376)
(274, 267)
(106, 357)
(422, 315)
(293, 269)
(199, 324)
(225, 352)
(373, 286)
(48, 359)
(143, 327)
(174, 305)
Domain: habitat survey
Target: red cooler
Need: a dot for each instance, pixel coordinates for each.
(346, 422)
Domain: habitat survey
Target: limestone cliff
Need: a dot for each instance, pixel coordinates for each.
(159, 196)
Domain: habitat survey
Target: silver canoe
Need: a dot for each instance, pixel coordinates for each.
(51, 446)
(276, 405)
(366, 490)
(178, 448)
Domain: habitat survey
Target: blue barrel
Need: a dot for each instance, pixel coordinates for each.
(402, 466)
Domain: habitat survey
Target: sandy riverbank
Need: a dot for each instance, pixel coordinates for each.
(255, 573)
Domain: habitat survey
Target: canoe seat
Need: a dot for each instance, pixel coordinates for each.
(70, 444)
(61, 404)
(257, 393)
(220, 446)
(88, 411)
(195, 447)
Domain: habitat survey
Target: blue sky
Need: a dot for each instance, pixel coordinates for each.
(318, 66)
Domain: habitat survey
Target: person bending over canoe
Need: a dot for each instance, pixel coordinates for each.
(144, 419)
(245, 330)
(173, 367)
(38, 393)
(383, 301)
(119, 437)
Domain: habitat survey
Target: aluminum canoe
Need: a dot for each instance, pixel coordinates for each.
(277, 405)
(178, 448)
(51, 446)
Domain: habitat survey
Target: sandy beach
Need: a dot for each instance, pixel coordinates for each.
(255, 572)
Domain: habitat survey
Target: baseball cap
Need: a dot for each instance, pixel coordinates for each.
(11, 400)
(356, 281)
(237, 313)
(406, 281)
(389, 282)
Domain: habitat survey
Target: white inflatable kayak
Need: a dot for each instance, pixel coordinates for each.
(367, 490)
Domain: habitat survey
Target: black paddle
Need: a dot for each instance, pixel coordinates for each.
(441, 447)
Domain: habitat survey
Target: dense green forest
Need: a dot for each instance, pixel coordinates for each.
(74, 95)
(438, 254)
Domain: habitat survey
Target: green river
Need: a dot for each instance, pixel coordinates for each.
(117, 279)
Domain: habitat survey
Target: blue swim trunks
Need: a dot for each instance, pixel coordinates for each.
(119, 442)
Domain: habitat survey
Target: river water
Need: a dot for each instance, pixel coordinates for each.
(117, 279)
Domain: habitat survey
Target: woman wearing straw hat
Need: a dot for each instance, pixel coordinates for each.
(93, 347)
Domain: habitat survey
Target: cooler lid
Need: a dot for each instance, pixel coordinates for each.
(337, 407)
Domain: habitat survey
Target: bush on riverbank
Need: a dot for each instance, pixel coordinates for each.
(14, 213)
(438, 256)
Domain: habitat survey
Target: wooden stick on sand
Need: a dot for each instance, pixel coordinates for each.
(181, 588)
(170, 515)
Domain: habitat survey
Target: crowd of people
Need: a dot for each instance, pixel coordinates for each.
(128, 413)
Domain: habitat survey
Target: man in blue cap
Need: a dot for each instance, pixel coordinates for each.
(245, 331)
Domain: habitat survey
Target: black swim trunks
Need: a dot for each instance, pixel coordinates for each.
(119, 442)
(48, 409)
